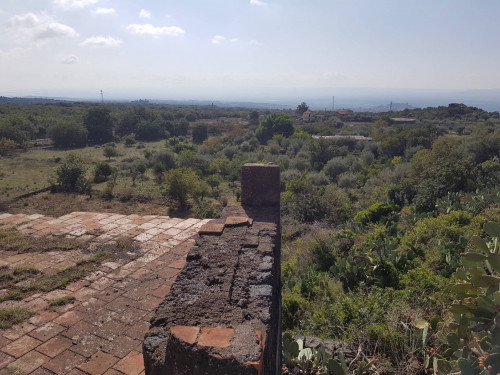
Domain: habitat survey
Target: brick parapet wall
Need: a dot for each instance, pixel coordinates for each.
(222, 315)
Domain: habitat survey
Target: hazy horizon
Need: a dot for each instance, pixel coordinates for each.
(317, 99)
(251, 50)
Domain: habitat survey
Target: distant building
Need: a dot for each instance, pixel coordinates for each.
(307, 115)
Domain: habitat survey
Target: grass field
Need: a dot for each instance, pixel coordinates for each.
(29, 171)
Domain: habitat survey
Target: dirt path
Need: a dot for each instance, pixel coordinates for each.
(101, 331)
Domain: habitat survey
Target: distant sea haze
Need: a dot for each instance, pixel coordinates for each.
(360, 100)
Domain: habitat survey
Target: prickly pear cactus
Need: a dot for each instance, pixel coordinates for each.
(473, 336)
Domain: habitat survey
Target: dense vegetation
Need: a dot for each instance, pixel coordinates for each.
(373, 228)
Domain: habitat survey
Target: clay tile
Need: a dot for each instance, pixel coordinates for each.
(213, 229)
(185, 333)
(233, 221)
(216, 337)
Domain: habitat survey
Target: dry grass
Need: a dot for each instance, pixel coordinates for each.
(13, 240)
(55, 303)
(10, 317)
(63, 203)
(21, 283)
(31, 170)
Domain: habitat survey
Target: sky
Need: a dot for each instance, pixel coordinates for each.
(245, 49)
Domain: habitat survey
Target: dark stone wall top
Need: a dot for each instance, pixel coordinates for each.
(260, 185)
(222, 313)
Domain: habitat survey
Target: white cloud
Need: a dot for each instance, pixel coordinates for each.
(219, 39)
(258, 3)
(149, 29)
(69, 4)
(69, 60)
(104, 11)
(101, 41)
(144, 14)
(35, 27)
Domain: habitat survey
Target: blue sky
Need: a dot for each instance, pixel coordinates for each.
(241, 49)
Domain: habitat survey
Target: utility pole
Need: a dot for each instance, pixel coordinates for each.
(102, 98)
(333, 104)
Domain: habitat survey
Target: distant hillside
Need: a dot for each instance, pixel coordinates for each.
(386, 108)
(4, 99)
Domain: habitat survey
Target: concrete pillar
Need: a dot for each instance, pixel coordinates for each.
(260, 184)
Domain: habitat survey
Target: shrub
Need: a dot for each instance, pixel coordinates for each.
(102, 171)
(99, 124)
(336, 166)
(109, 152)
(68, 135)
(200, 133)
(277, 123)
(129, 140)
(181, 183)
(293, 307)
(206, 210)
(323, 255)
(71, 174)
(7, 146)
(375, 212)
(337, 205)
(148, 131)
(107, 193)
(347, 181)
(420, 288)
(318, 179)
(165, 158)
(126, 195)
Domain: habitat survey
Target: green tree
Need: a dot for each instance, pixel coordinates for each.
(16, 128)
(129, 140)
(213, 181)
(158, 170)
(302, 200)
(71, 174)
(165, 158)
(67, 135)
(102, 171)
(445, 168)
(128, 124)
(277, 123)
(180, 127)
(148, 131)
(200, 133)
(109, 152)
(99, 124)
(301, 108)
(130, 121)
(180, 184)
(253, 118)
(7, 146)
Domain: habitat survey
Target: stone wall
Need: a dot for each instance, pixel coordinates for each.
(222, 315)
